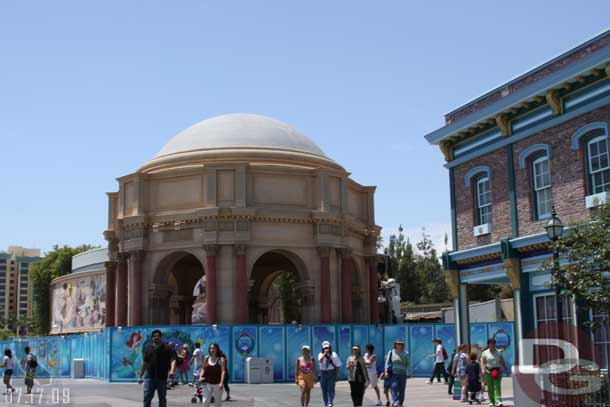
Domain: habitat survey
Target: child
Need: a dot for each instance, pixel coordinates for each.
(386, 383)
(473, 371)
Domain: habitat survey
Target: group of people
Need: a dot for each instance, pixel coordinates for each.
(28, 364)
(361, 373)
(468, 368)
(159, 364)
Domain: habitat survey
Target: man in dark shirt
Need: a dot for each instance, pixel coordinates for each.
(158, 360)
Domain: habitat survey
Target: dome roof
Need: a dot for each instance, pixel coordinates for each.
(240, 131)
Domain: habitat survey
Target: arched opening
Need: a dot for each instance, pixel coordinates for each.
(275, 296)
(182, 299)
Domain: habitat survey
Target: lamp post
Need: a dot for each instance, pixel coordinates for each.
(554, 230)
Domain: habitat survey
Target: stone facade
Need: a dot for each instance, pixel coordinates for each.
(240, 215)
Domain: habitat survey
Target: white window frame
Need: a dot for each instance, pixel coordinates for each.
(538, 189)
(479, 206)
(597, 139)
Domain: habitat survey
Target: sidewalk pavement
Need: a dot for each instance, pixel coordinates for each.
(95, 393)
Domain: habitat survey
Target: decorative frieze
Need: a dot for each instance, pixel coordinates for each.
(177, 235)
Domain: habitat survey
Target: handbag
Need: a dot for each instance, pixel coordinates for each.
(494, 372)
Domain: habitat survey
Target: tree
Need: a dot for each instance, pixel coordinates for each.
(586, 277)
(430, 273)
(290, 300)
(55, 263)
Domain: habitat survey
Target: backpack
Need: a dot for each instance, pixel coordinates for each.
(33, 362)
(445, 355)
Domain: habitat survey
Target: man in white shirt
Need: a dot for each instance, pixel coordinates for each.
(330, 366)
(439, 362)
(198, 358)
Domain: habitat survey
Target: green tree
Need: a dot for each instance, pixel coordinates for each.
(586, 277)
(430, 273)
(290, 300)
(402, 266)
(6, 334)
(55, 263)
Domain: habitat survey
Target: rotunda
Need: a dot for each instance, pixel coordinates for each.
(246, 220)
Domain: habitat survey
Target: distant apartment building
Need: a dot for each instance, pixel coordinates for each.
(15, 282)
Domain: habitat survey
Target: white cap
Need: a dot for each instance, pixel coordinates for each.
(325, 344)
(306, 347)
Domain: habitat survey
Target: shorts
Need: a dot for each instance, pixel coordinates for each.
(305, 381)
(386, 384)
(8, 372)
(372, 377)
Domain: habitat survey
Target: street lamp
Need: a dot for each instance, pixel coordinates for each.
(554, 230)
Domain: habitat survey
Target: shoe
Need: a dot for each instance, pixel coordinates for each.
(429, 382)
(228, 398)
(387, 404)
(478, 402)
(499, 405)
(470, 402)
(379, 403)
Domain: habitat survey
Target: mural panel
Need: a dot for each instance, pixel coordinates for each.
(244, 345)
(503, 332)
(78, 303)
(421, 346)
(273, 348)
(296, 337)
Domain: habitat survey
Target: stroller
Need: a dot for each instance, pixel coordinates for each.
(198, 393)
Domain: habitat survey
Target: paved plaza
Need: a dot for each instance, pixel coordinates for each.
(95, 393)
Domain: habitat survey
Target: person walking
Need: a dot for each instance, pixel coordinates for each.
(212, 375)
(357, 375)
(462, 359)
(473, 375)
(370, 359)
(7, 365)
(451, 370)
(397, 367)
(185, 365)
(305, 374)
(439, 362)
(491, 362)
(225, 382)
(330, 366)
(29, 363)
(198, 359)
(159, 363)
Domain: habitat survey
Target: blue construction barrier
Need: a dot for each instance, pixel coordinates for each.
(115, 354)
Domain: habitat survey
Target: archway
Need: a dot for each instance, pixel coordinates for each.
(182, 277)
(275, 296)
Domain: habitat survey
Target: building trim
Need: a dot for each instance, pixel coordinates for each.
(531, 131)
(453, 209)
(531, 150)
(585, 130)
(474, 171)
(512, 193)
(596, 60)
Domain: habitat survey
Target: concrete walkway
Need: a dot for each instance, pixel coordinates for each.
(94, 393)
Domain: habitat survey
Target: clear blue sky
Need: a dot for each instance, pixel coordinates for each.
(91, 90)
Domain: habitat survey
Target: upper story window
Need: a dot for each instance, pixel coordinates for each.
(479, 179)
(592, 143)
(598, 164)
(543, 197)
(483, 194)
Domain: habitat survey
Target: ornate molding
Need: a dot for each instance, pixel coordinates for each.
(110, 266)
(345, 251)
(553, 98)
(323, 251)
(122, 257)
(452, 279)
(240, 249)
(210, 249)
(446, 147)
(512, 267)
(503, 123)
(137, 255)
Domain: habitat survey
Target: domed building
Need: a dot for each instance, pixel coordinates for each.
(245, 219)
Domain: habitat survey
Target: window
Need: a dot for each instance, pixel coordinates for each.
(545, 308)
(598, 164)
(483, 195)
(543, 197)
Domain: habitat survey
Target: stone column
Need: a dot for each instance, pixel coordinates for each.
(110, 291)
(121, 290)
(241, 284)
(324, 253)
(373, 290)
(158, 309)
(210, 283)
(347, 268)
(135, 288)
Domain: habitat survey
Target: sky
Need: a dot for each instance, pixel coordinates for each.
(89, 91)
